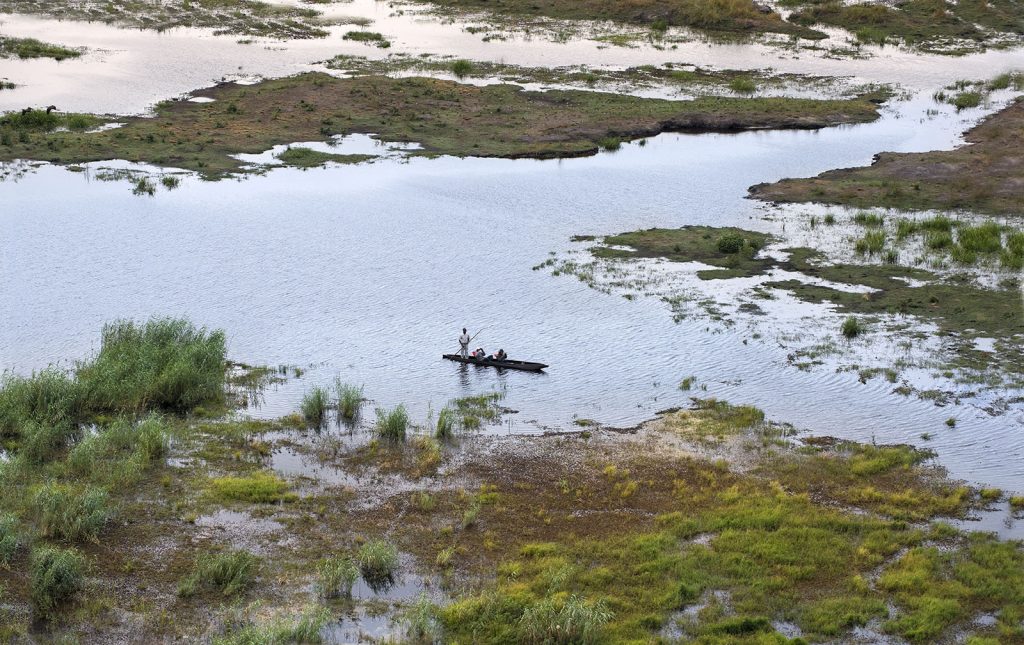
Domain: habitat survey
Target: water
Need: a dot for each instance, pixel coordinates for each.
(369, 272)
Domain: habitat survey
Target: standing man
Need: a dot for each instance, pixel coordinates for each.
(464, 343)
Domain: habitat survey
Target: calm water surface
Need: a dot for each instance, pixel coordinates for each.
(368, 272)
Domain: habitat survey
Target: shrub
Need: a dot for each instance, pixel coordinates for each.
(229, 573)
(55, 578)
(852, 327)
(350, 399)
(421, 625)
(314, 406)
(163, 363)
(336, 577)
(730, 243)
(392, 425)
(574, 621)
(462, 68)
(378, 561)
(69, 514)
(258, 488)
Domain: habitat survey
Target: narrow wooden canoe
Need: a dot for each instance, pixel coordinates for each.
(507, 364)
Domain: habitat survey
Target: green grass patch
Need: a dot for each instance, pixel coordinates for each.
(308, 158)
(32, 48)
(392, 424)
(258, 488)
(378, 562)
(227, 573)
(56, 576)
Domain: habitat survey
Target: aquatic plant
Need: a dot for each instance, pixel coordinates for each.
(350, 399)
(687, 383)
(391, 426)
(170, 182)
(335, 577)
(610, 144)
(227, 573)
(143, 186)
(571, 621)
(444, 557)
(162, 363)
(258, 488)
(421, 625)
(743, 85)
(990, 494)
(951, 422)
(32, 48)
(852, 327)
(872, 242)
(829, 219)
(48, 397)
(462, 68)
(965, 100)
(55, 577)
(446, 420)
(70, 513)
(1017, 501)
(305, 628)
(470, 515)
(314, 406)
(870, 220)
(378, 561)
(936, 240)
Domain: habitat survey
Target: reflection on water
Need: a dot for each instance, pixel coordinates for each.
(368, 272)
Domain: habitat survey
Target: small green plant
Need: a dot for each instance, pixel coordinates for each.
(336, 577)
(611, 144)
(228, 573)
(462, 68)
(424, 501)
(872, 242)
(471, 514)
(984, 238)
(852, 327)
(350, 399)
(314, 406)
(870, 220)
(55, 577)
(1017, 502)
(446, 420)
(391, 426)
(937, 240)
(378, 562)
(990, 494)
(951, 422)
(687, 383)
(966, 100)
(829, 219)
(444, 557)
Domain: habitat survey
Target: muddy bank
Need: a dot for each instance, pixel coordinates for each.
(986, 175)
(444, 117)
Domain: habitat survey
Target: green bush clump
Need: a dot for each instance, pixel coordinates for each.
(462, 68)
(163, 363)
(851, 327)
(336, 577)
(314, 406)
(350, 399)
(228, 573)
(730, 243)
(378, 561)
(55, 577)
(71, 513)
(392, 425)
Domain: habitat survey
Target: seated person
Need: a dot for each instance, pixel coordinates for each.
(500, 355)
(479, 354)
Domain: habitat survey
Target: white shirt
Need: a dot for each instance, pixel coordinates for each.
(464, 340)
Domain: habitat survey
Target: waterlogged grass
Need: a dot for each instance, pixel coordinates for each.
(315, 404)
(32, 48)
(335, 577)
(258, 488)
(445, 117)
(378, 562)
(350, 400)
(852, 327)
(227, 573)
(304, 628)
(732, 251)
(711, 419)
(71, 513)
(392, 424)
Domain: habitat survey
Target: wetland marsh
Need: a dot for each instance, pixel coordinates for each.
(226, 286)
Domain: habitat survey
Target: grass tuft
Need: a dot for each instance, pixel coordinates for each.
(258, 488)
(336, 577)
(350, 400)
(56, 576)
(227, 573)
(314, 406)
(378, 562)
(852, 327)
(391, 426)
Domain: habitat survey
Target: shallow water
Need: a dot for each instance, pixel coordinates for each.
(126, 71)
(368, 272)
